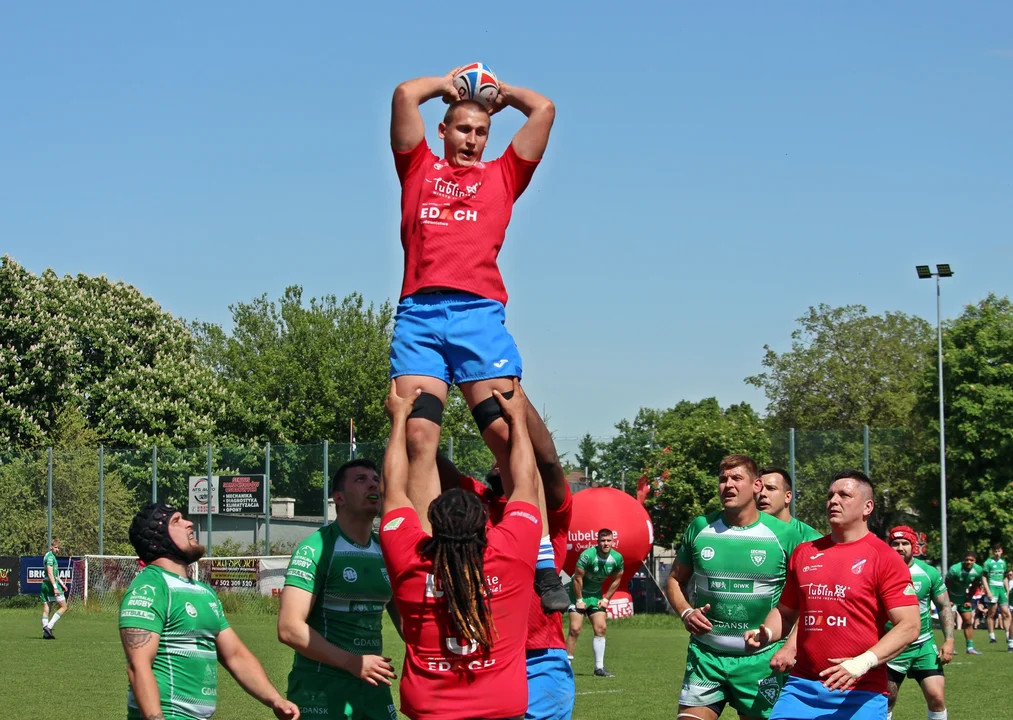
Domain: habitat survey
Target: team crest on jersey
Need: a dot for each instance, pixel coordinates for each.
(757, 556)
(394, 524)
(858, 566)
(350, 575)
(707, 553)
(910, 590)
(308, 551)
(190, 610)
(769, 689)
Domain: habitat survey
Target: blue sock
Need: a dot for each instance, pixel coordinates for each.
(545, 557)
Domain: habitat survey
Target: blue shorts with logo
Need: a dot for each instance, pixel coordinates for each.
(802, 699)
(455, 336)
(550, 685)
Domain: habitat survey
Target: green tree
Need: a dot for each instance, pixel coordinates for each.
(978, 395)
(625, 456)
(587, 456)
(104, 348)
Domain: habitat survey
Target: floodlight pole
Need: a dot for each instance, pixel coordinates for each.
(942, 424)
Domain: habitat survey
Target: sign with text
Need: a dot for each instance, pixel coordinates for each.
(232, 574)
(198, 492)
(10, 570)
(241, 494)
(33, 573)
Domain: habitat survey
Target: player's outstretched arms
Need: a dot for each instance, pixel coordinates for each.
(140, 647)
(531, 140)
(249, 673)
(521, 483)
(407, 128)
(395, 462)
(773, 627)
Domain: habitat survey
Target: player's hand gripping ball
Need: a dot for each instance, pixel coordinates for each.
(477, 82)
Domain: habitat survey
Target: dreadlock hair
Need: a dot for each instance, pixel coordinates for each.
(456, 547)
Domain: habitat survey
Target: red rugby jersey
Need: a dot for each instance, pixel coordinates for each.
(454, 220)
(544, 631)
(443, 678)
(842, 592)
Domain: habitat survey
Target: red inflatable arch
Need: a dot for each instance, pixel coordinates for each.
(599, 508)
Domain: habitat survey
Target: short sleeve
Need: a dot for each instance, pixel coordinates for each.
(221, 614)
(517, 171)
(302, 566)
(145, 604)
(950, 575)
(685, 553)
(400, 535)
(895, 587)
(789, 595)
(619, 563)
(518, 533)
(938, 587)
(409, 162)
(584, 560)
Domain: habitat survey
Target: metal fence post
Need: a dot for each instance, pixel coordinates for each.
(791, 466)
(326, 479)
(210, 498)
(49, 498)
(267, 499)
(154, 474)
(865, 442)
(101, 498)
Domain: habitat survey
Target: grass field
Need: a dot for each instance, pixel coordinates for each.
(81, 674)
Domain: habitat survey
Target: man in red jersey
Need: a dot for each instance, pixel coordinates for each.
(842, 589)
(550, 675)
(450, 326)
(465, 593)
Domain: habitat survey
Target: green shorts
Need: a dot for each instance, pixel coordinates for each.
(998, 595)
(590, 603)
(746, 682)
(918, 662)
(341, 697)
(51, 596)
(962, 604)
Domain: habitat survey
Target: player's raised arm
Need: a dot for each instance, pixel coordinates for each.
(407, 128)
(395, 463)
(249, 673)
(140, 647)
(530, 141)
(521, 483)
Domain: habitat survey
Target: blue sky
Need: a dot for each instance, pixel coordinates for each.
(713, 171)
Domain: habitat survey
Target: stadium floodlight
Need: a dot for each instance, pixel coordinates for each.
(924, 273)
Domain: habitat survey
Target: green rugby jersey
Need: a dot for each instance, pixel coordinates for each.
(928, 584)
(963, 582)
(187, 616)
(50, 561)
(806, 532)
(996, 571)
(352, 589)
(598, 569)
(739, 571)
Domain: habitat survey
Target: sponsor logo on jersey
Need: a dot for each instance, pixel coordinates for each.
(707, 553)
(858, 566)
(528, 516)
(810, 568)
(190, 610)
(817, 621)
(757, 556)
(822, 591)
(214, 609)
(394, 524)
(349, 574)
(769, 689)
(308, 551)
(817, 555)
(454, 646)
(445, 215)
(910, 589)
(450, 189)
(431, 589)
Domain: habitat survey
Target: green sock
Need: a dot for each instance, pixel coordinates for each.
(970, 644)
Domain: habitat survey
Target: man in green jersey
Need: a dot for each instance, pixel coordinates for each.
(963, 579)
(735, 561)
(995, 568)
(336, 589)
(53, 591)
(174, 630)
(922, 660)
(594, 566)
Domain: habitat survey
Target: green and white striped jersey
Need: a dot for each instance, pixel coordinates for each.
(739, 571)
(187, 616)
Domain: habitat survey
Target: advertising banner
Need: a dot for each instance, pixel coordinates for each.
(9, 575)
(233, 574)
(33, 573)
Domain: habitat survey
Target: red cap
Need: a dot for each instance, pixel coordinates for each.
(903, 532)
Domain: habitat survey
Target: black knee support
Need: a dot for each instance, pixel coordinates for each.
(428, 407)
(487, 411)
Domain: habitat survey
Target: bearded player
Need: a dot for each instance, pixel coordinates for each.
(842, 589)
(450, 324)
(922, 660)
(174, 630)
(336, 590)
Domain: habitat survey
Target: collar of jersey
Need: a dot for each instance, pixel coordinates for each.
(350, 541)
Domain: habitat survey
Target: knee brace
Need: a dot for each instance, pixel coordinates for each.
(487, 411)
(427, 407)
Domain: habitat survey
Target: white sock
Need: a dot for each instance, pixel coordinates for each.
(598, 643)
(941, 715)
(45, 620)
(889, 715)
(991, 636)
(52, 620)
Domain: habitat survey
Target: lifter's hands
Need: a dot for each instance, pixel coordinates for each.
(399, 408)
(515, 409)
(450, 93)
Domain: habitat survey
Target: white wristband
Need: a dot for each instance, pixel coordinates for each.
(768, 635)
(861, 664)
(686, 612)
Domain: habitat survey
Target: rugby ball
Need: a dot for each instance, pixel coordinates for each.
(477, 82)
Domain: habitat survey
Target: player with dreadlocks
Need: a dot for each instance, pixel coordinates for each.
(465, 592)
